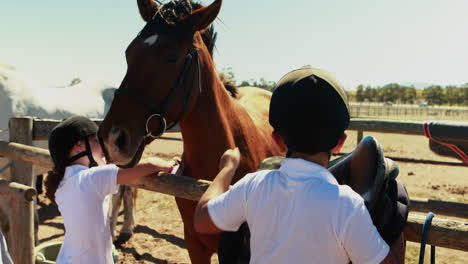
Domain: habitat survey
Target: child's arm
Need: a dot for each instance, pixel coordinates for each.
(397, 252)
(145, 167)
(227, 165)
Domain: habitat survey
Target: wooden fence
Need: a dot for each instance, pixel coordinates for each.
(17, 191)
(401, 127)
(21, 211)
(408, 112)
(385, 126)
(445, 233)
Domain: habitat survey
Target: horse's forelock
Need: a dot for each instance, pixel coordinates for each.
(170, 14)
(173, 12)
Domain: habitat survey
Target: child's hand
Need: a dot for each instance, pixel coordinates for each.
(160, 164)
(178, 168)
(230, 159)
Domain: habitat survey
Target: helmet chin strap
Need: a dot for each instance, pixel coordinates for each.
(87, 152)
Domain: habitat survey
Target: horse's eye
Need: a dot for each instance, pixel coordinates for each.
(172, 59)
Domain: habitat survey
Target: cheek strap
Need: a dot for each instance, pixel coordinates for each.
(87, 152)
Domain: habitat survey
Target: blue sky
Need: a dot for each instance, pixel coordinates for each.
(360, 41)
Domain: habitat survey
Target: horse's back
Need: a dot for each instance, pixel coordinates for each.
(256, 102)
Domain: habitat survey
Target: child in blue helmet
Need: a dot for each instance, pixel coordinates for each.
(80, 185)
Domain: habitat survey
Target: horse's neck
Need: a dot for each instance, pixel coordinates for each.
(211, 115)
(216, 123)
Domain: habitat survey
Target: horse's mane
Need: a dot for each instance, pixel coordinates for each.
(170, 14)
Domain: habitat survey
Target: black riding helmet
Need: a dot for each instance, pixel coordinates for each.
(309, 110)
(65, 135)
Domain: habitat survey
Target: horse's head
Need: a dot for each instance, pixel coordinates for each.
(162, 82)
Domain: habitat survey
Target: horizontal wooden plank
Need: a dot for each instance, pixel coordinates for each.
(442, 233)
(17, 191)
(175, 185)
(16, 151)
(42, 127)
(439, 207)
(387, 126)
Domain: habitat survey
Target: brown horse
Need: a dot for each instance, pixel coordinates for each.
(171, 79)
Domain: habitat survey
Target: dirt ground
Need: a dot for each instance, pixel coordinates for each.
(159, 235)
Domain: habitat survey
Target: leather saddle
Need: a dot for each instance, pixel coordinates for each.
(368, 173)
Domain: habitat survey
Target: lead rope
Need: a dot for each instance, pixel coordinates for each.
(6, 166)
(426, 226)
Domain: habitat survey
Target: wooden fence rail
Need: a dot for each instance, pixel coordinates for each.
(444, 233)
(42, 127)
(407, 111)
(17, 191)
(387, 126)
(440, 207)
(38, 156)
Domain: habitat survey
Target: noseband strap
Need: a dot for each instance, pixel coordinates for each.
(160, 110)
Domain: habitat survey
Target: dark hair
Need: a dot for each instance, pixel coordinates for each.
(52, 181)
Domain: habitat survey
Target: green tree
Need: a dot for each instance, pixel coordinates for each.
(464, 92)
(370, 94)
(244, 83)
(267, 85)
(453, 95)
(229, 74)
(409, 95)
(360, 93)
(379, 95)
(433, 94)
(389, 92)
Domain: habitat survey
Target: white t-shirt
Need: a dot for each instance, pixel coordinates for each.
(5, 257)
(83, 201)
(299, 214)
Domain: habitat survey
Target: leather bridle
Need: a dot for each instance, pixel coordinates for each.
(160, 110)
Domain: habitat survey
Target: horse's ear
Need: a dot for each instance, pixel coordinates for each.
(147, 9)
(203, 17)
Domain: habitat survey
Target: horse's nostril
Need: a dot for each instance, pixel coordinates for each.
(121, 141)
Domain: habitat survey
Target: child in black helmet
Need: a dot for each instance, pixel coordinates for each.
(299, 213)
(80, 185)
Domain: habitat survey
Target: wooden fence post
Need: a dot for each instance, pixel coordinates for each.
(21, 220)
